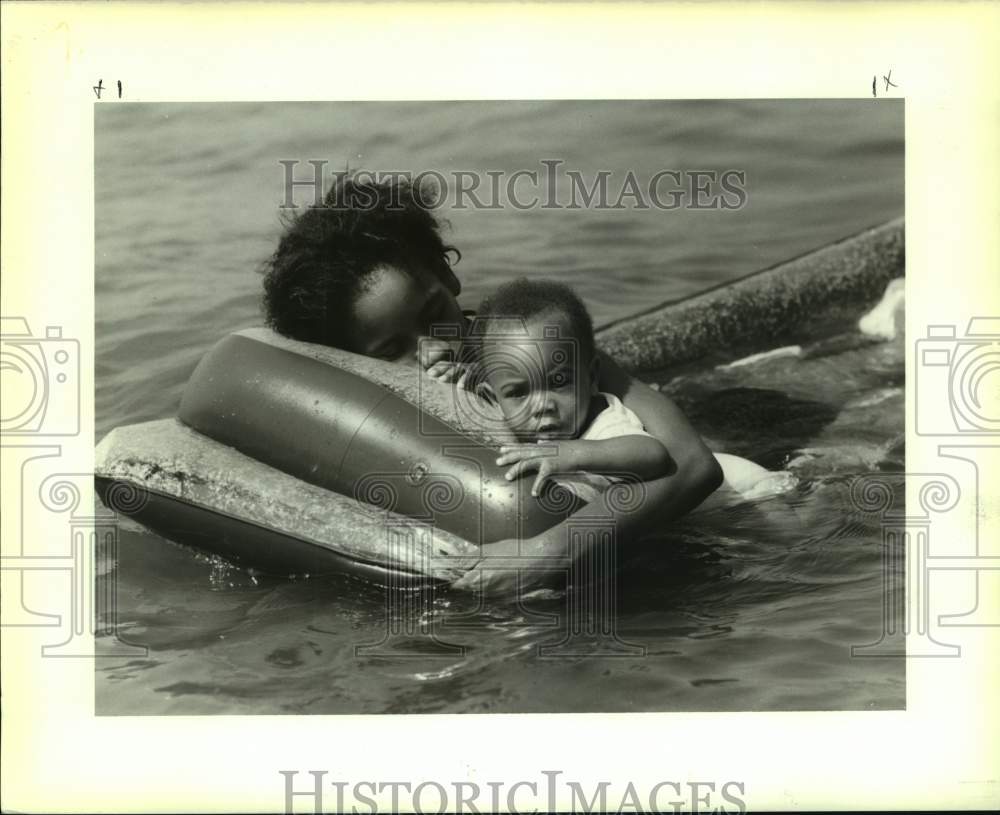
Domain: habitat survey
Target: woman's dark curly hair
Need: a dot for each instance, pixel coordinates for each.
(327, 253)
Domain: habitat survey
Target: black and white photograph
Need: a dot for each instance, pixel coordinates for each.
(493, 407)
(500, 407)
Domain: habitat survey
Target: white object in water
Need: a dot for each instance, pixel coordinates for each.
(784, 351)
(887, 318)
(746, 481)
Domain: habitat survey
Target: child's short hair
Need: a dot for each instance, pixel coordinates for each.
(326, 253)
(523, 298)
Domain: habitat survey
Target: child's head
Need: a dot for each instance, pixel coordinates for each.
(367, 272)
(537, 356)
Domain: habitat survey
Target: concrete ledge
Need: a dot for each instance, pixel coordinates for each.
(798, 300)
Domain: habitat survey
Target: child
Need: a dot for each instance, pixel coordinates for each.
(537, 362)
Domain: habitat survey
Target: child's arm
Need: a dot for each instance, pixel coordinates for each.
(639, 455)
(693, 475)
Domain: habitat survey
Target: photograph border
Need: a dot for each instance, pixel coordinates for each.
(941, 751)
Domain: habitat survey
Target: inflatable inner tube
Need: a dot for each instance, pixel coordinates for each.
(317, 421)
(292, 457)
(199, 492)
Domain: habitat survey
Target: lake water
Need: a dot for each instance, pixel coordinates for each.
(747, 609)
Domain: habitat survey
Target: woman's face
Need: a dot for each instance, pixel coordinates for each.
(396, 307)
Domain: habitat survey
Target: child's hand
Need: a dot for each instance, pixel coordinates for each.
(437, 358)
(547, 458)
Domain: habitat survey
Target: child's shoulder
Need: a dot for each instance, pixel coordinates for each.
(614, 420)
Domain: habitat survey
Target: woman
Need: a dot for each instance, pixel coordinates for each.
(369, 273)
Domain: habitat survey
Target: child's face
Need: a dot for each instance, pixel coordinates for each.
(543, 387)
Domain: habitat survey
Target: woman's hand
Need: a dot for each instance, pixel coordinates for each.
(545, 458)
(509, 566)
(489, 580)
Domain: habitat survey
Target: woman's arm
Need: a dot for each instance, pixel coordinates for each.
(693, 476)
(697, 474)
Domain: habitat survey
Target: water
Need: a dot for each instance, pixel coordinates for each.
(752, 608)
